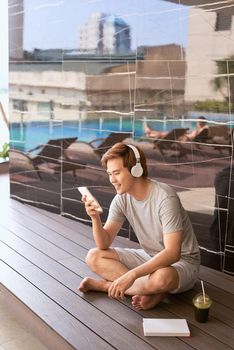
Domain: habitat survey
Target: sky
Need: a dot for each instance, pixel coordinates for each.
(56, 23)
(152, 22)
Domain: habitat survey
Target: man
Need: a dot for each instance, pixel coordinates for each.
(201, 125)
(149, 132)
(169, 259)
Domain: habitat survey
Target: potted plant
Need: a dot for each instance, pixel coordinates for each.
(4, 153)
(4, 158)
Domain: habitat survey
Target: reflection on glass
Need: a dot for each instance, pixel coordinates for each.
(107, 71)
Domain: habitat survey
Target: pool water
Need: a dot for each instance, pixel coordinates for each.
(26, 136)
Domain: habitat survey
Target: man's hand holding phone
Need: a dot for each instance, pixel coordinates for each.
(92, 206)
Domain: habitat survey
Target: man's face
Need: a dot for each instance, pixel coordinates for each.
(201, 124)
(119, 176)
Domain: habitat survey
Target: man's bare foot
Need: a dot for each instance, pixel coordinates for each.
(90, 284)
(147, 302)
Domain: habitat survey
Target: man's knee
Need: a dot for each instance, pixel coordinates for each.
(96, 258)
(163, 280)
(93, 257)
(156, 283)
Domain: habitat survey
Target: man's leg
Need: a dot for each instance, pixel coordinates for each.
(147, 291)
(107, 265)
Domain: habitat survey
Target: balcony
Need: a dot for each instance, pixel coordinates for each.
(43, 262)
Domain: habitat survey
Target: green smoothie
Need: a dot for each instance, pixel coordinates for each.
(201, 307)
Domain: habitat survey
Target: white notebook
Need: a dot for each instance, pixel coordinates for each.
(165, 327)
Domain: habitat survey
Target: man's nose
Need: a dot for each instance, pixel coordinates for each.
(112, 179)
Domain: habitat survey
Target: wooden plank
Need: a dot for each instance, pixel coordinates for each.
(27, 229)
(183, 310)
(219, 295)
(218, 311)
(47, 264)
(51, 339)
(127, 313)
(225, 300)
(215, 327)
(45, 228)
(87, 246)
(78, 266)
(210, 275)
(46, 308)
(66, 277)
(8, 254)
(223, 280)
(56, 222)
(83, 310)
(57, 292)
(226, 297)
(35, 256)
(34, 232)
(31, 237)
(106, 327)
(198, 340)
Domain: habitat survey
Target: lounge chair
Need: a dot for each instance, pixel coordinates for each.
(220, 136)
(101, 145)
(170, 141)
(21, 163)
(213, 136)
(218, 131)
(50, 155)
(52, 151)
(202, 137)
(92, 151)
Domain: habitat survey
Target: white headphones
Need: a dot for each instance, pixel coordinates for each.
(137, 169)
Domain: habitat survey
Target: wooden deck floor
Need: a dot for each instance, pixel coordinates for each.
(42, 263)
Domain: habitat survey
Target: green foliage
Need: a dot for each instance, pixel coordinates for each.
(4, 153)
(224, 82)
(211, 106)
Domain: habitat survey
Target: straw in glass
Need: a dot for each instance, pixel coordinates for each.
(203, 291)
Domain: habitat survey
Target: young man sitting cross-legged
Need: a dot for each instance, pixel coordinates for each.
(169, 258)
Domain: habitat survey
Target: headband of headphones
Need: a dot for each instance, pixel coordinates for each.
(137, 169)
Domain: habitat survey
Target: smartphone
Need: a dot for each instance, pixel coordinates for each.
(85, 192)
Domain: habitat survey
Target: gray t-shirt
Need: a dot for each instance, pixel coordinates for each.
(159, 214)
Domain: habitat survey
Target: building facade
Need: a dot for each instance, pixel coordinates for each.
(104, 34)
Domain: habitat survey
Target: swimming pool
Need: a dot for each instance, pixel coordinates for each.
(28, 135)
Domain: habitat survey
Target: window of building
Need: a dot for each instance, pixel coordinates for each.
(223, 21)
(20, 105)
(45, 108)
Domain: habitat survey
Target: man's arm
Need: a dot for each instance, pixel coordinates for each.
(103, 235)
(169, 255)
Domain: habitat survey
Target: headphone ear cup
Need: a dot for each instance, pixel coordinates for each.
(137, 170)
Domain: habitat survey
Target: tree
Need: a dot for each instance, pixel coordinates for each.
(224, 82)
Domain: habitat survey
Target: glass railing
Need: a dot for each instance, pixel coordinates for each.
(4, 130)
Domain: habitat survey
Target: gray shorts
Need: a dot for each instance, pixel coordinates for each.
(188, 273)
